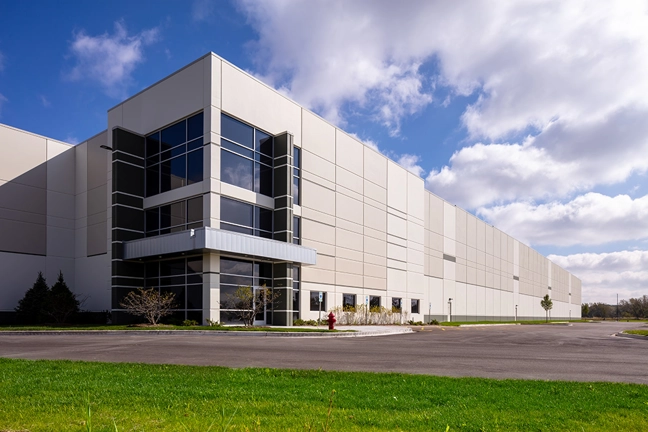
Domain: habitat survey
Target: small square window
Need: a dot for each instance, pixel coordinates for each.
(415, 306)
(397, 304)
(315, 301)
(349, 302)
(374, 302)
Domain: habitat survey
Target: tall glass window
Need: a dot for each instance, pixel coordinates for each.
(296, 285)
(246, 156)
(245, 218)
(174, 217)
(183, 277)
(236, 273)
(296, 175)
(174, 156)
(296, 230)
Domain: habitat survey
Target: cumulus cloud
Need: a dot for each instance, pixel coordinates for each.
(411, 163)
(589, 219)
(334, 53)
(605, 275)
(110, 59)
(562, 159)
(570, 76)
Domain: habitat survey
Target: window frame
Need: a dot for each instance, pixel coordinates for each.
(416, 302)
(314, 301)
(349, 306)
(185, 226)
(397, 304)
(256, 222)
(154, 162)
(253, 154)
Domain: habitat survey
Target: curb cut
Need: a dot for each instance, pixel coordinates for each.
(201, 333)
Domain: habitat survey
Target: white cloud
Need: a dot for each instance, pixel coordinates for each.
(334, 53)
(571, 75)
(110, 59)
(590, 219)
(201, 10)
(411, 163)
(607, 274)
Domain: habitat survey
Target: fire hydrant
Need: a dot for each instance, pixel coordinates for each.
(331, 321)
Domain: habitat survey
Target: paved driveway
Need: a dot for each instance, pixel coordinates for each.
(582, 352)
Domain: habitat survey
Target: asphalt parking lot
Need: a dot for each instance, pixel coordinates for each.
(582, 352)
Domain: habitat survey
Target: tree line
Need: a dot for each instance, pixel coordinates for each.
(632, 308)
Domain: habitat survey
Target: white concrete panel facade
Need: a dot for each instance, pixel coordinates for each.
(377, 231)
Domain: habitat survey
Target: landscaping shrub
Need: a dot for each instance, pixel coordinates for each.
(32, 307)
(364, 315)
(62, 304)
(42, 304)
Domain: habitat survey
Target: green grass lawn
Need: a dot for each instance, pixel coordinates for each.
(164, 327)
(637, 332)
(80, 396)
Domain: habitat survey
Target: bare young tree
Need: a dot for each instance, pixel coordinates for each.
(149, 303)
(546, 304)
(247, 302)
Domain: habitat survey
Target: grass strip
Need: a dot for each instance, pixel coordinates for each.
(71, 396)
(167, 327)
(637, 332)
(458, 323)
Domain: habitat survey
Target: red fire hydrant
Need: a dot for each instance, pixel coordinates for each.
(331, 321)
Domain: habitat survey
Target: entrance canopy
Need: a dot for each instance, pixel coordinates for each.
(207, 239)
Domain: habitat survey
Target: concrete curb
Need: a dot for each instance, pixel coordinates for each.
(204, 333)
(485, 325)
(630, 336)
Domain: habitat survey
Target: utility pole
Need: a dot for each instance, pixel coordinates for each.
(617, 307)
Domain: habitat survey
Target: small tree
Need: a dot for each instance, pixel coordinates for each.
(248, 302)
(32, 307)
(546, 304)
(149, 303)
(585, 310)
(62, 303)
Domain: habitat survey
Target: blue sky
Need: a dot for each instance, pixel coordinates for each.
(531, 115)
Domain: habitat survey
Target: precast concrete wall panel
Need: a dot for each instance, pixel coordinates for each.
(318, 136)
(171, 99)
(248, 99)
(396, 187)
